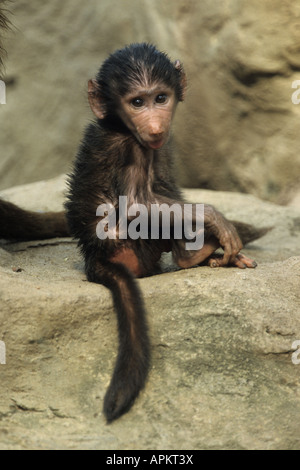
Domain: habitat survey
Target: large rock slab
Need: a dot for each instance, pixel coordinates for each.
(222, 374)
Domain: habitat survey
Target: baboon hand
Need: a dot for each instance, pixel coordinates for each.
(224, 231)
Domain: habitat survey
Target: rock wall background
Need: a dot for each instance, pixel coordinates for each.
(238, 129)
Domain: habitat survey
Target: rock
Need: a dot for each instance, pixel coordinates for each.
(238, 129)
(222, 374)
(295, 202)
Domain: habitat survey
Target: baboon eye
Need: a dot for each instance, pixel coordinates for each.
(137, 102)
(160, 99)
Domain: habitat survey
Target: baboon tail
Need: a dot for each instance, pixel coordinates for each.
(21, 225)
(132, 364)
(248, 233)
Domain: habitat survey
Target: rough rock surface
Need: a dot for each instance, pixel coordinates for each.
(238, 129)
(222, 375)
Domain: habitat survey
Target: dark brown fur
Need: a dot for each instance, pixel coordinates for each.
(18, 224)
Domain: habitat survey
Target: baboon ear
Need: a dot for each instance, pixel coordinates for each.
(95, 99)
(183, 79)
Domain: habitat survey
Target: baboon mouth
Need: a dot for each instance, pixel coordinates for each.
(156, 144)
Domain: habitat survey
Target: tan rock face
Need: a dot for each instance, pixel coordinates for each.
(222, 374)
(238, 129)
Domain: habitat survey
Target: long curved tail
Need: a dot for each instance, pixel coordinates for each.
(21, 225)
(132, 364)
(248, 233)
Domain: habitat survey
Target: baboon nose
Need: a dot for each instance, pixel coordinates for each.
(155, 130)
(156, 134)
